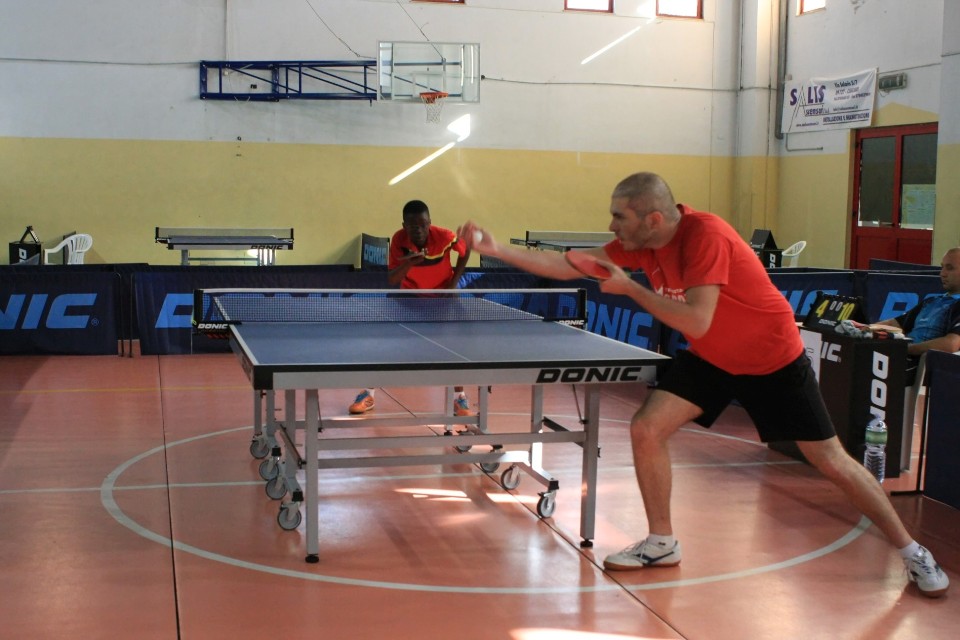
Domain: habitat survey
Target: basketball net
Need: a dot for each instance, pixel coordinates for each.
(433, 101)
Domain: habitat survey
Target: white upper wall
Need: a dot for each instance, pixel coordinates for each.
(949, 129)
(129, 69)
(853, 35)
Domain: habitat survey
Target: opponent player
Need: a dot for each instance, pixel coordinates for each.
(420, 259)
(744, 344)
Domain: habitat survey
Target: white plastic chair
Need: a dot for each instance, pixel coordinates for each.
(77, 245)
(791, 255)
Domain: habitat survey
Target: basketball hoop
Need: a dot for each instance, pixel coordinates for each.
(433, 101)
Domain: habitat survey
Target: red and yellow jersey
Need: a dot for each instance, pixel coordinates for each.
(753, 330)
(436, 269)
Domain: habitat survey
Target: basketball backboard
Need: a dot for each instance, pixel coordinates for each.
(407, 69)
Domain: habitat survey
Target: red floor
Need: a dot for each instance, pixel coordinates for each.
(130, 507)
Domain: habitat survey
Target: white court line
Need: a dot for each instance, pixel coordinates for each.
(108, 487)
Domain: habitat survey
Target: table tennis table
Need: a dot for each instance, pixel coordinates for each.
(265, 242)
(308, 341)
(563, 240)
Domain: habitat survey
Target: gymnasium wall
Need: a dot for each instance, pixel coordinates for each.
(120, 190)
(947, 232)
(102, 130)
(815, 197)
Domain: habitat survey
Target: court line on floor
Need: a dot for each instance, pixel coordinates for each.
(108, 486)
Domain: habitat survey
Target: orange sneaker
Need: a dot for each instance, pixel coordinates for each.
(363, 403)
(461, 406)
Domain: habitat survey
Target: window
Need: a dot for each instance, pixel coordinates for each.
(680, 8)
(806, 6)
(589, 5)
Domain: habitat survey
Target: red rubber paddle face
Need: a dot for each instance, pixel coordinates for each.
(587, 265)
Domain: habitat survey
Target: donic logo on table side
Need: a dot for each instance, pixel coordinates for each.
(569, 375)
(45, 311)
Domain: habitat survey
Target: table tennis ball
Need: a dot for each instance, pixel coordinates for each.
(477, 237)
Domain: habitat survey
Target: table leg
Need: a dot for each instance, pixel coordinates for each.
(591, 455)
(483, 398)
(311, 479)
(536, 426)
(258, 443)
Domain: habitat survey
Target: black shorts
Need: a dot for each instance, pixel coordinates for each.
(784, 405)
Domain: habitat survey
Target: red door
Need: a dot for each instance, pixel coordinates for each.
(894, 194)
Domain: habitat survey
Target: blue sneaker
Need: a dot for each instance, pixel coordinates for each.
(461, 406)
(363, 403)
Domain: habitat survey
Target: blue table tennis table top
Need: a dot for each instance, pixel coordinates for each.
(297, 355)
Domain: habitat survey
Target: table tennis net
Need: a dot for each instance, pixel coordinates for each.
(214, 308)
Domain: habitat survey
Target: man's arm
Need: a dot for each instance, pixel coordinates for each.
(890, 322)
(458, 270)
(692, 316)
(549, 264)
(949, 342)
(907, 318)
(396, 275)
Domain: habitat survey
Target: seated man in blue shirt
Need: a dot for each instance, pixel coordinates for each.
(934, 324)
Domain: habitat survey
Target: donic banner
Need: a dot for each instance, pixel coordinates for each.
(58, 313)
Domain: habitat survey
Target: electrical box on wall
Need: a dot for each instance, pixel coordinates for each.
(892, 81)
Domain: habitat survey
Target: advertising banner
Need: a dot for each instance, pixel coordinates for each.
(164, 298)
(374, 252)
(821, 104)
(942, 479)
(54, 312)
(890, 294)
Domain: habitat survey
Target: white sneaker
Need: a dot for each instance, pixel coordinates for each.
(643, 554)
(924, 570)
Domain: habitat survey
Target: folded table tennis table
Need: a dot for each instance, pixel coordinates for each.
(307, 341)
(563, 241)
(264, 243)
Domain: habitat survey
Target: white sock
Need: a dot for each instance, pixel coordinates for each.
(910, 550)
(665, 542)
(370, 392)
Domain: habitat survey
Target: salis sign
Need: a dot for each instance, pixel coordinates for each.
(822, 104)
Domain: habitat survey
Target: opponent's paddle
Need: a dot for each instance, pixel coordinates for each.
(587, 264)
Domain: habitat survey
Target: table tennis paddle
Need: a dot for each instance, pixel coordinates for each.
(439, 254)
(587, 264)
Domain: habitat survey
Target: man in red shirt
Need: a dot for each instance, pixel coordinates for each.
(744, 344)
(420, 259)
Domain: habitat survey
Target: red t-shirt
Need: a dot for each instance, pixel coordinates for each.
(753, 330)
(435, 270)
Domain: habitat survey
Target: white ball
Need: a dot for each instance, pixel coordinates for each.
(477, 237)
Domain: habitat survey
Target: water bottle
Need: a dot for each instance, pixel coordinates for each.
(875, 455)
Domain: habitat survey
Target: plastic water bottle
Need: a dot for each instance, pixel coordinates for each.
(875, 455)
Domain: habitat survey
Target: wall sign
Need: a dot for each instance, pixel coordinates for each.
(822, 104)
